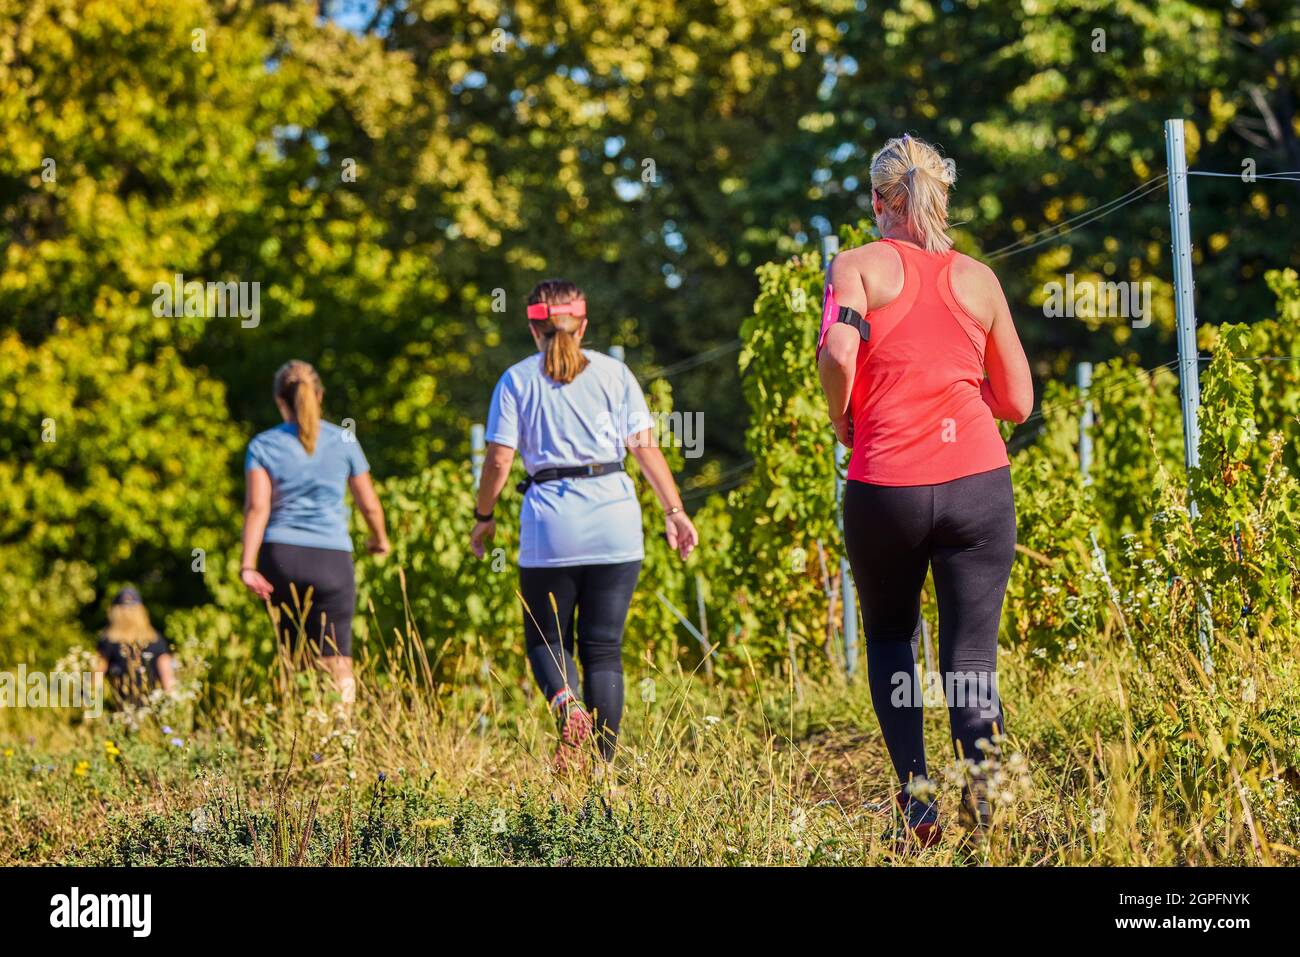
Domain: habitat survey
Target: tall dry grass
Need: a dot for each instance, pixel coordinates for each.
(1116, 758)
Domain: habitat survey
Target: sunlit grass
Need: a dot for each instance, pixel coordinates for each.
(1117, 760)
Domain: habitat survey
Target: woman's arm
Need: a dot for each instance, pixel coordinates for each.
(166, 673)
(1008, 389)
(836, 367)
(363, 493)
(679, 530)
(257, 511)
(837, 363)
(496, 470)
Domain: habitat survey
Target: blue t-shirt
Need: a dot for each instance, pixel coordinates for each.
(582, 521)
(308, 492)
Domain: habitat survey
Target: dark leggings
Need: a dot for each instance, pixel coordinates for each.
(599, 597)
(315, 592)
(965, 530)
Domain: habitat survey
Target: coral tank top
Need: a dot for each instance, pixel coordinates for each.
(918, 417)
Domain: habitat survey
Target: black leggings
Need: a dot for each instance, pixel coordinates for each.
(965, 530)
(324, 618)
(600, 596)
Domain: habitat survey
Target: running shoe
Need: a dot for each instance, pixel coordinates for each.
(919, 823)
(575, 732)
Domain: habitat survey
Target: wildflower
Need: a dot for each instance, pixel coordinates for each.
(798, 821)
(9, 752)
(316, 757)
(956, 774)
(922, 789)
(383, 776)
(166, 729)
(111, 751)
(712, 719)
(177, 743)
(81, 768)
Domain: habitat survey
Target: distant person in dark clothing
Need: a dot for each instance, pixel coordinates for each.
(132, 654)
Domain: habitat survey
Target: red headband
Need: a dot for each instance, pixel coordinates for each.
(540, 311)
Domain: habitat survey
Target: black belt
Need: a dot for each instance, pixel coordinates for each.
(570, 471)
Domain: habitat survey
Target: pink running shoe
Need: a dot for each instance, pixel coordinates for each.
(575, 731)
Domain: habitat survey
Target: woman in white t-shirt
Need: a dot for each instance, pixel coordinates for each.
(573, 414)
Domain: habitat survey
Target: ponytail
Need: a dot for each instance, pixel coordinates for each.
(912, 181)
(564, 360)
(306, 411)
(299, 387)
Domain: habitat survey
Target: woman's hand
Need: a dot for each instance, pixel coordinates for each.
(482, 534)
(681, 533)
(378, 546)
(255, 583)
(843, 429)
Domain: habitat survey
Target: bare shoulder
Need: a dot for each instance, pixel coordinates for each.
(973, 271)
(875, 268)
(977, 288)
(868, 255)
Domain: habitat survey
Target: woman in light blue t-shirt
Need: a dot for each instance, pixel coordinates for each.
(572, 415)
(297, 549)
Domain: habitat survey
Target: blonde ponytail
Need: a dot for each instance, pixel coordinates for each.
(912, 179)
(564, 359)
(299, 387)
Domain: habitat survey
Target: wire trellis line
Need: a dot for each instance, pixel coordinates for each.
(690, 362)
(1065, 227)
(1288, 175)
